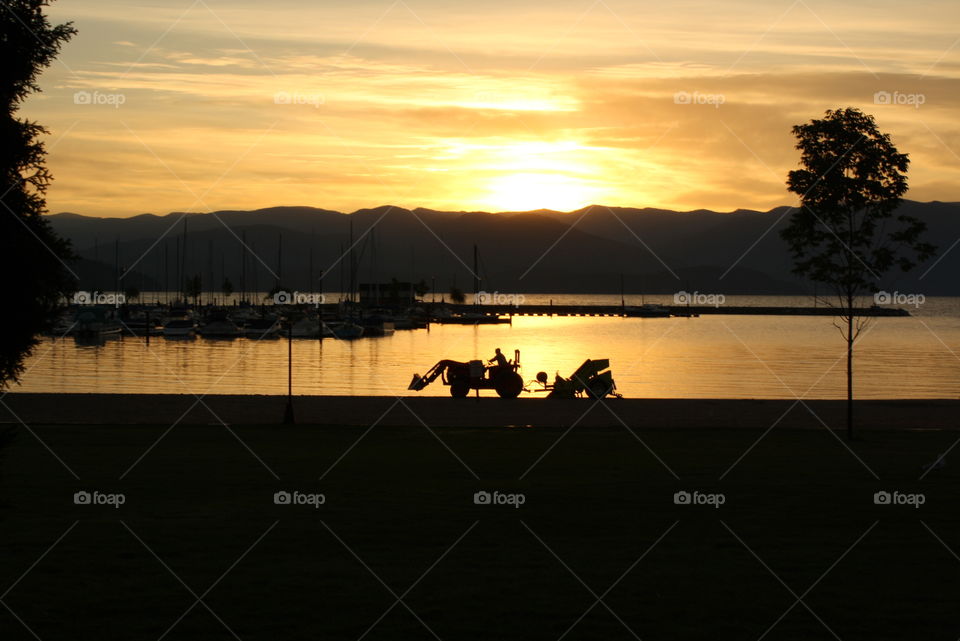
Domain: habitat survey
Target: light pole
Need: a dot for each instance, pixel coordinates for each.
(288, 413)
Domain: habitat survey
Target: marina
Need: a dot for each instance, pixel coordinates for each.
(345, 320)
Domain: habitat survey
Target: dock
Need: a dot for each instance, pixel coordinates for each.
(672, 310)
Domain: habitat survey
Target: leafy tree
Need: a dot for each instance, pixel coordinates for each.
(32, 255)
(420, 289)
(846, 234)
(456, 296)
(131, 294)
(192, 288)
(226, 287)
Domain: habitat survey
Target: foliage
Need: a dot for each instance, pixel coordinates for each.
(846, 233)
(851, 181)
(32, 253)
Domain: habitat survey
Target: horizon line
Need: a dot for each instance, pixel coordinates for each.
(462, 211)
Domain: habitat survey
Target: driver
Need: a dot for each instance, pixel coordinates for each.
(501, 362)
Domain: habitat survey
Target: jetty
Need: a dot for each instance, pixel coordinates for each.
(668, 310)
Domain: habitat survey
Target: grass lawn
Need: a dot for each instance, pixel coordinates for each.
(399, 521)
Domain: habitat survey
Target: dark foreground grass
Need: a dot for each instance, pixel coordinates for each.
(599, 549)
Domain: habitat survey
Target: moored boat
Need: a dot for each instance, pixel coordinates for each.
(260, 328)
(180, 328)
(306, 327)
(649, 310)
(219, 325)
(345, 330)
(96, 321)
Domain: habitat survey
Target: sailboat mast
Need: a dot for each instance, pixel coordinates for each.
(352, 266)
(476, 278)
(243, 267)
(183, 260)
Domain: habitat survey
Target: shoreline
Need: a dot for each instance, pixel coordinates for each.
(486, 412)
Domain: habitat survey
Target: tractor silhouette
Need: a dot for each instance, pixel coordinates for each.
(593, 379)
(474, 375)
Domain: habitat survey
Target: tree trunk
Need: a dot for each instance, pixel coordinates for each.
(850, 374)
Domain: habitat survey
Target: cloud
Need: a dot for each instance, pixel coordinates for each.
(437, 103)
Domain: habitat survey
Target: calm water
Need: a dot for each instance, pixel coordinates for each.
(706, 357)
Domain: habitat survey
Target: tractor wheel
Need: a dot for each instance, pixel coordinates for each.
(459, 389)
(599, 388)
(509, 385)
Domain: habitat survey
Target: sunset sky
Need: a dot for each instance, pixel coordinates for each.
(468, 105)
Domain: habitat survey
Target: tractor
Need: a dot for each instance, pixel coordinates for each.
(592, 379)
(474, 375)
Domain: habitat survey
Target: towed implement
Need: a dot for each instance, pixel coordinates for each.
(592, 379)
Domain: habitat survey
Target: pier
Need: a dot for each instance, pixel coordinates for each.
(671, 310)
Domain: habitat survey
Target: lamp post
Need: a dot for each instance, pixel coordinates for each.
(288, 413)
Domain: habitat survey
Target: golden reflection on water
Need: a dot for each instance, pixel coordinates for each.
(706, 357)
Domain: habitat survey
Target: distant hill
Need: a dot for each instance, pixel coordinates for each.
(583, 251)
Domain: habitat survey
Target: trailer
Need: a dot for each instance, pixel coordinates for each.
(593, 379)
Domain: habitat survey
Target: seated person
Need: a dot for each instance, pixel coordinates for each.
(501, 361)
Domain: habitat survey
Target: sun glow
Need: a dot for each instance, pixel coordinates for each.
(528, 175)
(528, 191)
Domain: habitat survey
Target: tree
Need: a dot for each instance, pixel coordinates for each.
(851, 182)
(420, 289)
(226, 288)
(192, 288)
(131, 294)
(32, 255)
(456, 296)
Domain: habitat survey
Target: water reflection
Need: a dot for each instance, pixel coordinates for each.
(707, 357)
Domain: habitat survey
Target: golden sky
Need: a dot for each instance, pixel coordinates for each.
(199, 105)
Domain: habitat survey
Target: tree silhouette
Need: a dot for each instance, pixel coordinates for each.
(420, 289)
(850, 183)
(456, 296)
(192, 288)
(34, 257)
(226, 287)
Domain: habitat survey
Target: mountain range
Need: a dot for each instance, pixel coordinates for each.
(590, 250)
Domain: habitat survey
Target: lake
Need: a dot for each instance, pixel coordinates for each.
(713, 356)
